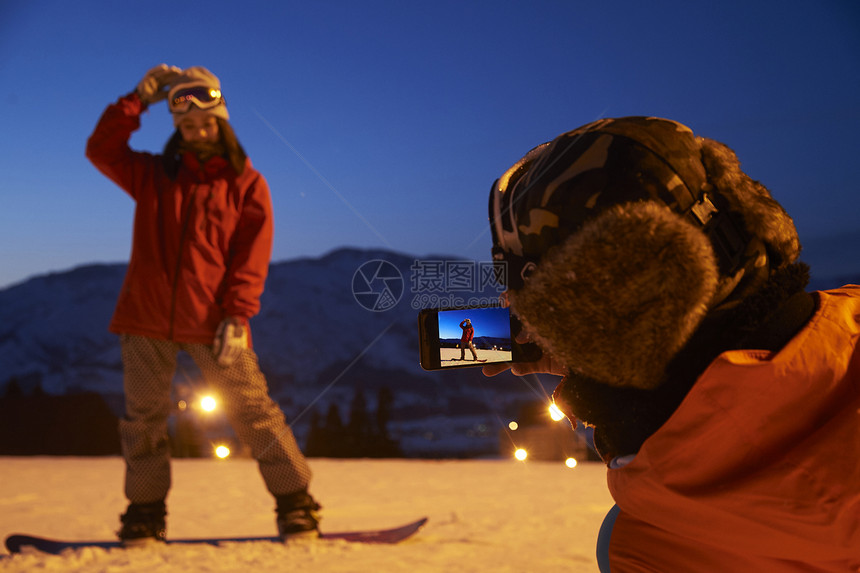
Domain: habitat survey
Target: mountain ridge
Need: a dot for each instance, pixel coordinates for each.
(316, 344)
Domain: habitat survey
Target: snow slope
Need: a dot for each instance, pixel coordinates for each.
(451, 356)
(485, 515)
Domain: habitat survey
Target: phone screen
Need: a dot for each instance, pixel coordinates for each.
(471, 336)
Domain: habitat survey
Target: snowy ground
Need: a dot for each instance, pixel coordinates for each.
(485, 515)
(451, 356)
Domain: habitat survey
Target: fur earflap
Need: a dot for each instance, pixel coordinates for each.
(763, 216)
(617, 299)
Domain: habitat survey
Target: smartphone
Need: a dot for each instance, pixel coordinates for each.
(444, 335)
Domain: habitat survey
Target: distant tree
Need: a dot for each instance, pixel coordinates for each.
(13, 389)
(315, 446)
(333, 423)
(382, 445)
(359, 429)
(364, 435)
(384, 401)
(77, 425)
(327, 439)
(38, 391)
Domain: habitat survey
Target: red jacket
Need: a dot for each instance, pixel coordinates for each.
(759, 468)
(201, 243)
(468, 334)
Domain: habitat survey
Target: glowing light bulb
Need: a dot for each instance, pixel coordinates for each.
(222, 452)
(513, 426)
(208, 403)
(570, 462)
(555, 413)
(521, 454)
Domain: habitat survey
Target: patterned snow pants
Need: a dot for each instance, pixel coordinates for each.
(149, 366)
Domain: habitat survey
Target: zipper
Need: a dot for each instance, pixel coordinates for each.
(182, 238)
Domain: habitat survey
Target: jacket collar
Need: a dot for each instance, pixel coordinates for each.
(207, 170)
(625, 417)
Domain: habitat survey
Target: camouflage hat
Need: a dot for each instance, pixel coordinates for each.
(556, 187)
(619, 237)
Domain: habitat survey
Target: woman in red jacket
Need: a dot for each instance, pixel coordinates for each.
(662, 282)
(200, 254)
(466, 339)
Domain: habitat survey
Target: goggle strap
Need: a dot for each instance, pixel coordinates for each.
(726, 232)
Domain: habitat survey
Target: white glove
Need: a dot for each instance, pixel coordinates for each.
(155, 85)
(231, 339)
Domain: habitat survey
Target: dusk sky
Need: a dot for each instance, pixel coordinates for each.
(493, 322)
(384, 123)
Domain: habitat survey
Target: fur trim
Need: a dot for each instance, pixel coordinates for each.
(618, 299)
(763, 216)
(623, 418)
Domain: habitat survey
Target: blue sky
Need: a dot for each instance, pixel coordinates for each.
(383, 124)
(492, 321)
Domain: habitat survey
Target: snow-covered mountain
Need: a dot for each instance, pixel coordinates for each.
(316, 340)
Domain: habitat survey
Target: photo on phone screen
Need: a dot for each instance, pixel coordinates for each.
(474, 336)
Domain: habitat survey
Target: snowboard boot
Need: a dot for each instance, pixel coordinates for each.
(297, 516)
(142, 523)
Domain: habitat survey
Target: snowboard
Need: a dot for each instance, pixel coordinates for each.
(15, 543)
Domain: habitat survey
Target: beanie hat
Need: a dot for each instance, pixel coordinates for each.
(209, 99)
(619, 237)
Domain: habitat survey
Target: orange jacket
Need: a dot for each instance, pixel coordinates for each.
(759, 468)
(201, 243)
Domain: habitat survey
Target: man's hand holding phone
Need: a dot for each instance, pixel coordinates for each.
(545, 365)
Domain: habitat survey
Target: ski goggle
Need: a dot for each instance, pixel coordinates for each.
(203, 97)
(510, 266)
